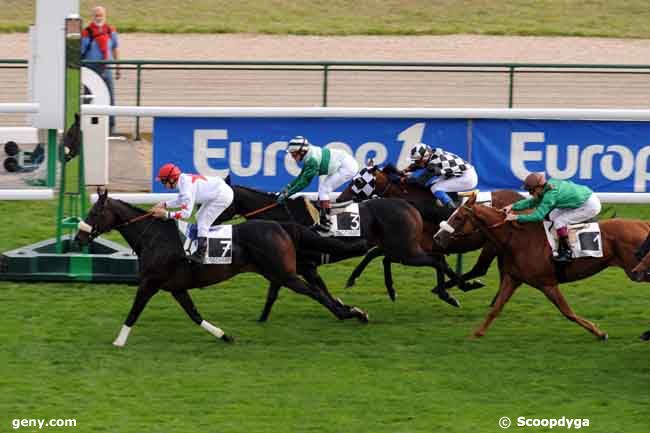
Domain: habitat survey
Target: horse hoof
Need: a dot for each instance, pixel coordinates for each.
(349, 284)
(477, 284)
(227, 338)
(604, 337)
(262, 319)
(645, 336)
(361, 315)
(392, 295)
(449, 299)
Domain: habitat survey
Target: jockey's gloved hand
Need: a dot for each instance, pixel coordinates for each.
(282, 196)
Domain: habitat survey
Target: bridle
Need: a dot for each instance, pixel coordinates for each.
(96, 231)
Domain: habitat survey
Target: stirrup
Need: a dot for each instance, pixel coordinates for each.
(563, 257)
(196, 258)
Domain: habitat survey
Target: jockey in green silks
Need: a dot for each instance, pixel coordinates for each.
(338, 165)
(562, 200)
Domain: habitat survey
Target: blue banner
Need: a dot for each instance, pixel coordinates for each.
(606, 156)
(251, 150)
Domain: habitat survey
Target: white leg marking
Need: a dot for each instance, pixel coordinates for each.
(120, 341)
(212, 329)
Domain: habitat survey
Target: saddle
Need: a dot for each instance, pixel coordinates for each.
(584, 239)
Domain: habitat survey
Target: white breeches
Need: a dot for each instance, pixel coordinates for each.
(564, 217)
(466, 182)
(346, 171)
(211, 209)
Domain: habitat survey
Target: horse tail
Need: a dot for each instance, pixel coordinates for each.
(305, 238)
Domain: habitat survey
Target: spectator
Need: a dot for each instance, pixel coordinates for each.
(100, 42)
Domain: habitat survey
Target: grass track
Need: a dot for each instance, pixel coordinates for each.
(411, 369)
(627, 18)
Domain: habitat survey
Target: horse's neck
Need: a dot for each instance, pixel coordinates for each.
(505, 197)
(248, 200)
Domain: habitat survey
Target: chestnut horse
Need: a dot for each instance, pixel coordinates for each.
(527, 256)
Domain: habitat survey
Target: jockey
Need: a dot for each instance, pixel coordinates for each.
(441, 171)
(562, 200)
(337, 165)
(211, 192)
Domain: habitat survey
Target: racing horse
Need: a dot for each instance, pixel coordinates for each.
(393, 225)
(263, 247)
(385, 182)
(527, 256)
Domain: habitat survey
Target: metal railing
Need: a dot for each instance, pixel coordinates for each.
(379, 84)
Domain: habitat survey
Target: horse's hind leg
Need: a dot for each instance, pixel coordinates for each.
(337, 308)
(184, 299)
(555, 296)
(142, 296)
(388, 279)
(356, 273)
(271, 296)
(313, 277)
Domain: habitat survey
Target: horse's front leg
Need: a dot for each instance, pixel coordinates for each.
(184, 299)
(142, 296)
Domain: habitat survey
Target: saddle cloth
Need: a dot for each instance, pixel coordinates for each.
(346, 221)
(220, 242)
(584, 239)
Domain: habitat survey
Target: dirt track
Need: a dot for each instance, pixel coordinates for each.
(287, 88)
(460, 48)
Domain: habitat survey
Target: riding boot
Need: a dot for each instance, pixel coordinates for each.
(564, 254)
(199, 255)
(325, 224)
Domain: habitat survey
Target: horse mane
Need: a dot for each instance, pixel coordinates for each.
(136, 209)
(254, 190)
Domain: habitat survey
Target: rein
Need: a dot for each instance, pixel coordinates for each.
(485, 228)
(260, 210)
(133, 220)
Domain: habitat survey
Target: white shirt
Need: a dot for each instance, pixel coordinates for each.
(194, 188)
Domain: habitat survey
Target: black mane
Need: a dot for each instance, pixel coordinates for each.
(251, 189)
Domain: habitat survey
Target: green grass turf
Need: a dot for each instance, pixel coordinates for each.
(627, 18)
(411, 369)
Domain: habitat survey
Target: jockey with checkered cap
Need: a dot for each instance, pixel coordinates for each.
(212, 192)
(441, 171)
(337, 165)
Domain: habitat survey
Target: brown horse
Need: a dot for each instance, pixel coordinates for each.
(385, 185)
(527, 257)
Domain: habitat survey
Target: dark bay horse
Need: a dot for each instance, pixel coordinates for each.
(389, 224)
(263, 247)
(527, 256)
(385, 185)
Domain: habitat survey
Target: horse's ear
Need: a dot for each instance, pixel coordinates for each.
(102, 193)
(228, 180)
(370, 162)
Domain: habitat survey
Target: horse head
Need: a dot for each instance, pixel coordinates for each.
(639, 272)
(467, 218)
(372, 181)
(103, 217)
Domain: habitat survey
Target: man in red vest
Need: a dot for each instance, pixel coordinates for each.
(99, 41)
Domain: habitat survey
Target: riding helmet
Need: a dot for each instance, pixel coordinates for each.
(298, 144)
(169, 172)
